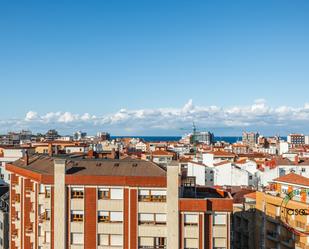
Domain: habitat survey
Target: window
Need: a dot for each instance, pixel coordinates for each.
(116, 193)
(107, 216)
(191, 243)
(148, 218)
(116, 216)
(40, 230)
(219, 219)
(77, 215)
(116, 240)
(103, 239)
(45, 215)
(191, 219)
(110, 240)
(103, 216)
(103, 193)
(152, 195)
(77, 193)
(47, 237)
(77, 238)
(47, 192)
(42, 189)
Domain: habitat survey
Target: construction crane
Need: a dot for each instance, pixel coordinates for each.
(193, 138)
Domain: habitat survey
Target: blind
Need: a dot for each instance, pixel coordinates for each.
(191, 243)
(117, 193)
(144, 192)
(191, 218)
(77, 212)
(103, 239)
(77, 238)
(116, 216)
(158, 192)
(161, 217)
(116, 240)
(146, 241)
(42, 188)
(103, 189)
(146, 217)
(47, 237)
(77, 189)
(103, 213)
(219, 219)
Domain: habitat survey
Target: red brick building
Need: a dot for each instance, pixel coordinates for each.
(76, 203)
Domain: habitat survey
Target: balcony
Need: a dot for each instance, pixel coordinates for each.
(29, 229)
(14, 233)
(16, 198)
(288, 242)
(152, 198)
(272, 235)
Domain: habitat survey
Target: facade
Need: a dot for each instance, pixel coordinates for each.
(89, 203)
(296, 139)
(8, 155)
(250, 138)
(4, 217)
(278, 223)
(244, 223)
(79, 135)
(205, 137)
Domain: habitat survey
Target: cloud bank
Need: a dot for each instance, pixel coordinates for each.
(163, 121)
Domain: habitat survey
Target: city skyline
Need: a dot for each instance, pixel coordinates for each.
(230, 121)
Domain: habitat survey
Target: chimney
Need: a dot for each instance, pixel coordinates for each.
(296, 160)
(90, 153)
(50, 149)
(113, 153)
(26, 158)
(172, 199)
(59, 204)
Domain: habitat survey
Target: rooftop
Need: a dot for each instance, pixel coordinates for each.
(104, 167)
(293, 178)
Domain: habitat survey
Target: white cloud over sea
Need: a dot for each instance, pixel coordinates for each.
(258, 116)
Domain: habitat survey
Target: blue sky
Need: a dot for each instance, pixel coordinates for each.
(101, 57)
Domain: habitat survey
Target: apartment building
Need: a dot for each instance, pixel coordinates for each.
(73, 202)
(280, 222)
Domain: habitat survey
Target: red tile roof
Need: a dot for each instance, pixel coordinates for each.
(293, 179)
(251, 195)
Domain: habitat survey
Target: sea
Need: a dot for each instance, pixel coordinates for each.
(176, 138)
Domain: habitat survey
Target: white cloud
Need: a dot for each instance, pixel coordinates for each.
(31, 115)
(258, 116)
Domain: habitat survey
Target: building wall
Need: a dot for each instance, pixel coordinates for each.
(135, 218)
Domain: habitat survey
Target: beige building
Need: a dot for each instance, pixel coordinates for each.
(282, 219)
(76, 203)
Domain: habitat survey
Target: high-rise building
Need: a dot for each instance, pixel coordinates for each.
(62, 203)
(79, 135)
(205, 137)
(250, 139)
